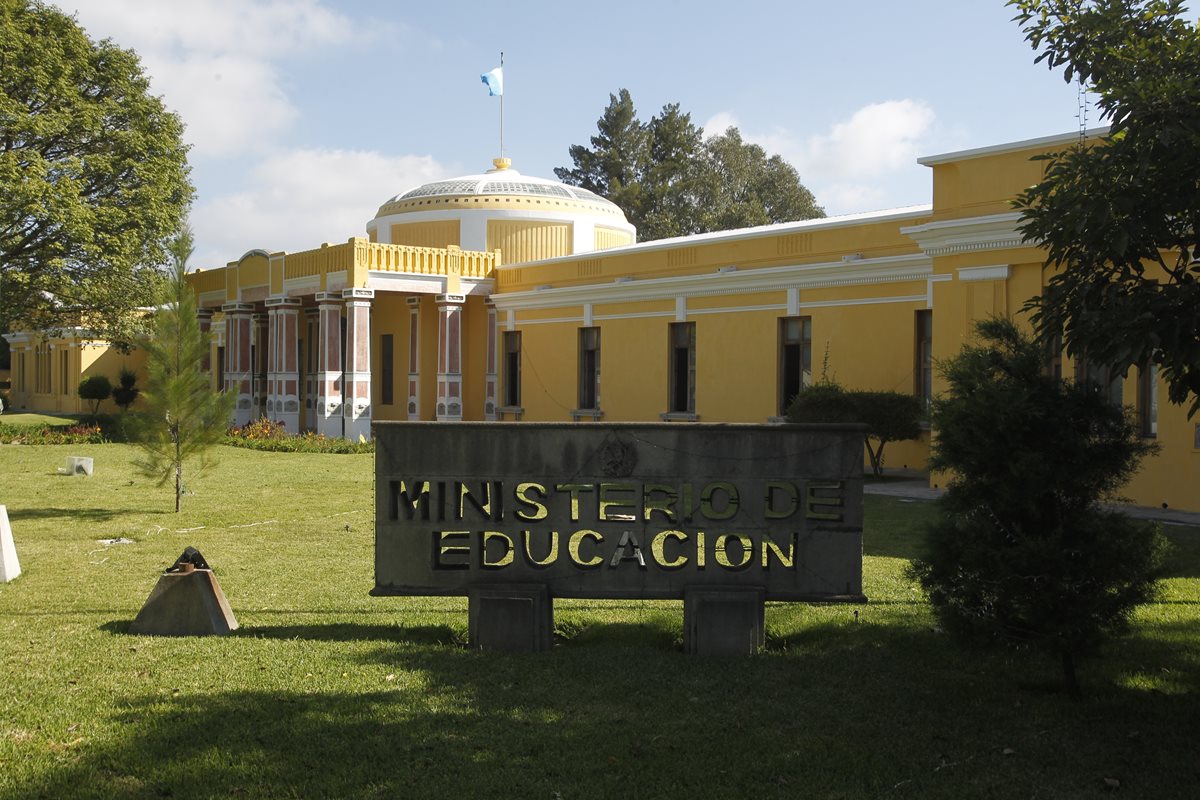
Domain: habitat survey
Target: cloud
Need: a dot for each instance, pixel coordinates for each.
(297, 199)
(878, 138)
(215, 60)
(719, 123)
(865, 161)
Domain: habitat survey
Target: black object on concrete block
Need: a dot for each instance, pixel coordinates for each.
(517, 618)
(186, 601)
(723, 622)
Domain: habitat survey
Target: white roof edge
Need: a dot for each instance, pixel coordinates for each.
(1010, 147)
(821, 223)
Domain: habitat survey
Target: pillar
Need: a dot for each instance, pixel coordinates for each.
(356, 408)
(329, 364)
(490, 398)
(414, 357)
(283, 368)
(204, 318)
(309, 367)
(238, 370)
(259, 381)
(449, 380)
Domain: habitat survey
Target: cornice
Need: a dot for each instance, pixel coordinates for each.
(894, 269)
(968, 235)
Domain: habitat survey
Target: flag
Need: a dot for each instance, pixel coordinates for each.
(494, 81)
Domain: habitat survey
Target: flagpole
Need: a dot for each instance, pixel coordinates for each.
(502, 107)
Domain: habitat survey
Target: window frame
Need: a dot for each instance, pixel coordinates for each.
(680, 358)
(510, 343)
(588, 372)
(804, 352)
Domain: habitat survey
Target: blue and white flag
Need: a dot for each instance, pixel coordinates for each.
(494, 81)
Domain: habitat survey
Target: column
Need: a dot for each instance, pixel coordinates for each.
(449, 385)
(238, 370)
(414, 357)
(356, 409)
(312, 326)
(259, 383)
(283, 368)
(204, 318)
(329, 364)
(490, 400)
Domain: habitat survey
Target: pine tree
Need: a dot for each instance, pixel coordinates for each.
(670, 181)
(184, 417)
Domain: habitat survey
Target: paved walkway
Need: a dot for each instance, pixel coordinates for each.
(914, 486)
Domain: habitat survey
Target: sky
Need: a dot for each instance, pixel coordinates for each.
(303, 116)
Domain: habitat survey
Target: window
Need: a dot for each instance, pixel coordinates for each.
(65, 372)
(1147, 401)
(1101, 379)
(386, 369)
(589, 368)
(923, 357)
(512, 369)
(1054, 363)
(795, 358)
(681, 398)
(221, 368)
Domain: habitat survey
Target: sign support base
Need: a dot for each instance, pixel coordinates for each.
(723, 622)
(515, 618)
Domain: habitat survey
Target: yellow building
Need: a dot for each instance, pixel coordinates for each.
(503, 297)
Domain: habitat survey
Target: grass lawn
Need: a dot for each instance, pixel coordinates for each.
(25, 418)
(327, 692)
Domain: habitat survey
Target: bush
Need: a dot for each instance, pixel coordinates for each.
(1023, 553)
(95, 389)
(889, 416)
(126, 392)
(82, 433)
(264, 434)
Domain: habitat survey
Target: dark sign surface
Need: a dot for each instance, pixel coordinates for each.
(619, 510)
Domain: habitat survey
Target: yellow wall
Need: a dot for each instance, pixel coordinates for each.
(438, 233)
(528, 240)
(611, 237)
(389, 315)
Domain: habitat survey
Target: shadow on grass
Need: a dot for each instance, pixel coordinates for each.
(845, 711)
(1183, 559)
(80, 514)
(355, 632)
(893, 528)
(336, 632)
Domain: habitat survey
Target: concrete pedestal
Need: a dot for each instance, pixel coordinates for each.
(185, 604)
(723, 622)
(10, 567)
(515, 618)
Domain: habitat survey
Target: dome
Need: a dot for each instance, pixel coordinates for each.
(503, 181)
(527, 218)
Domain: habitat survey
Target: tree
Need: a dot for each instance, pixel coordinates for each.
(614, 168)
(752, 188)
(889, 416)
(126, 392)
(95, 389)
(670, 181)
(1023, 552)
(93, 176)
(183, 416)
(1120, 216)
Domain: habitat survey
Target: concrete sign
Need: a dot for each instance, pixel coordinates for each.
(618, 510)
(10, 567)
